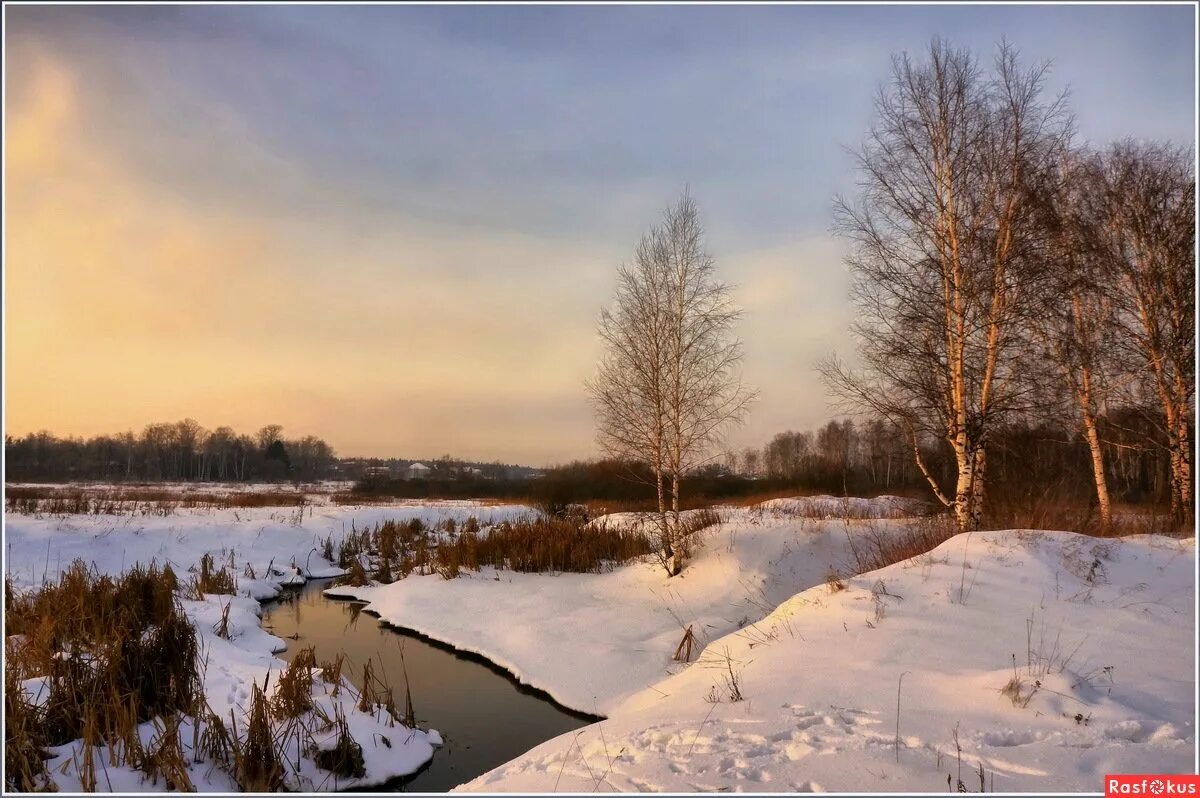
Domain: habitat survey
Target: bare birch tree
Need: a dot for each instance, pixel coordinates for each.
(628, 389)
(705, 394)
(1148, 194)
(946, 254)
(668, 386)
(1077, 324)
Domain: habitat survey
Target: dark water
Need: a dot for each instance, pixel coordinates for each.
(484, 716)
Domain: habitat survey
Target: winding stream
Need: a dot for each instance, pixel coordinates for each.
(485, 716)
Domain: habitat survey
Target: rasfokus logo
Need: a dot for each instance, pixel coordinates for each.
(1151, 784)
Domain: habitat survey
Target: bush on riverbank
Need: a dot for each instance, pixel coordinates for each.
(111, 654)
(534, 544)
(105, 674)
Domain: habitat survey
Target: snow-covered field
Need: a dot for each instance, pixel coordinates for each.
(1093, 639)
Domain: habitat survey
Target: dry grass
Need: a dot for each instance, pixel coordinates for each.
(1053, 512)
(537, 545)
(118, 653)
(215, 580)
(393, 550)
(345, 759)
(875, 547)
(352, 498)
(331, 672)
(115, 653)
(376, 694)
(164, 756)
(137, 501)
(24, 739)
(356, 575)
(257, 764)
(293, 689)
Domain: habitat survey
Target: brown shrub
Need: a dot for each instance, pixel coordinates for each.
(293, 689)
(24, 739)
(257, 762)
(115, 652)
(874, 547)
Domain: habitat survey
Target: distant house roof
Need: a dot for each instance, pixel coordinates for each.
(420, 466)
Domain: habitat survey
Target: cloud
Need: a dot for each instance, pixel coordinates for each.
(394, 226)
(116, 289)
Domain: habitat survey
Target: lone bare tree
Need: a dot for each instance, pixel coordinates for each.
(668, 385)
(946, 254)
(705, 394)
(1148, 195)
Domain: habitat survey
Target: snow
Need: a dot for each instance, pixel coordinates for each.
(263, 538)
(281, 549)
(613, 633)
(830, 507)
(1100, 631)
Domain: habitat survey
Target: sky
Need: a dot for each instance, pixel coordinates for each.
(394, 227)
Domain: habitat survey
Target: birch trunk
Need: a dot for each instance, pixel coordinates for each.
(664, 530)
(677, 554)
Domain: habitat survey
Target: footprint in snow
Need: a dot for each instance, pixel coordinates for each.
(1131, 730)
(1009, 738)
(807, 786)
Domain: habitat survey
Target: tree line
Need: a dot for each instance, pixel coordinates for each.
(183, 450)
(1048, 461)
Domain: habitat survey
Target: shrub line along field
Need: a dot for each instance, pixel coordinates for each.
(684, 670)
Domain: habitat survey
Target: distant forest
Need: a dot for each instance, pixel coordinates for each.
(180, 451)
(1033, 463)
(186, 451)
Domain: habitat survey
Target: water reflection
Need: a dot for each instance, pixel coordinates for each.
(485, 717)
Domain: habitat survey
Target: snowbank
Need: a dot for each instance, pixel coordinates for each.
(591, 640)
(1093, 640)
(1055, 657)
(830, 507)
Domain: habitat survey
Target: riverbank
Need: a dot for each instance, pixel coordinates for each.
(264, 551)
